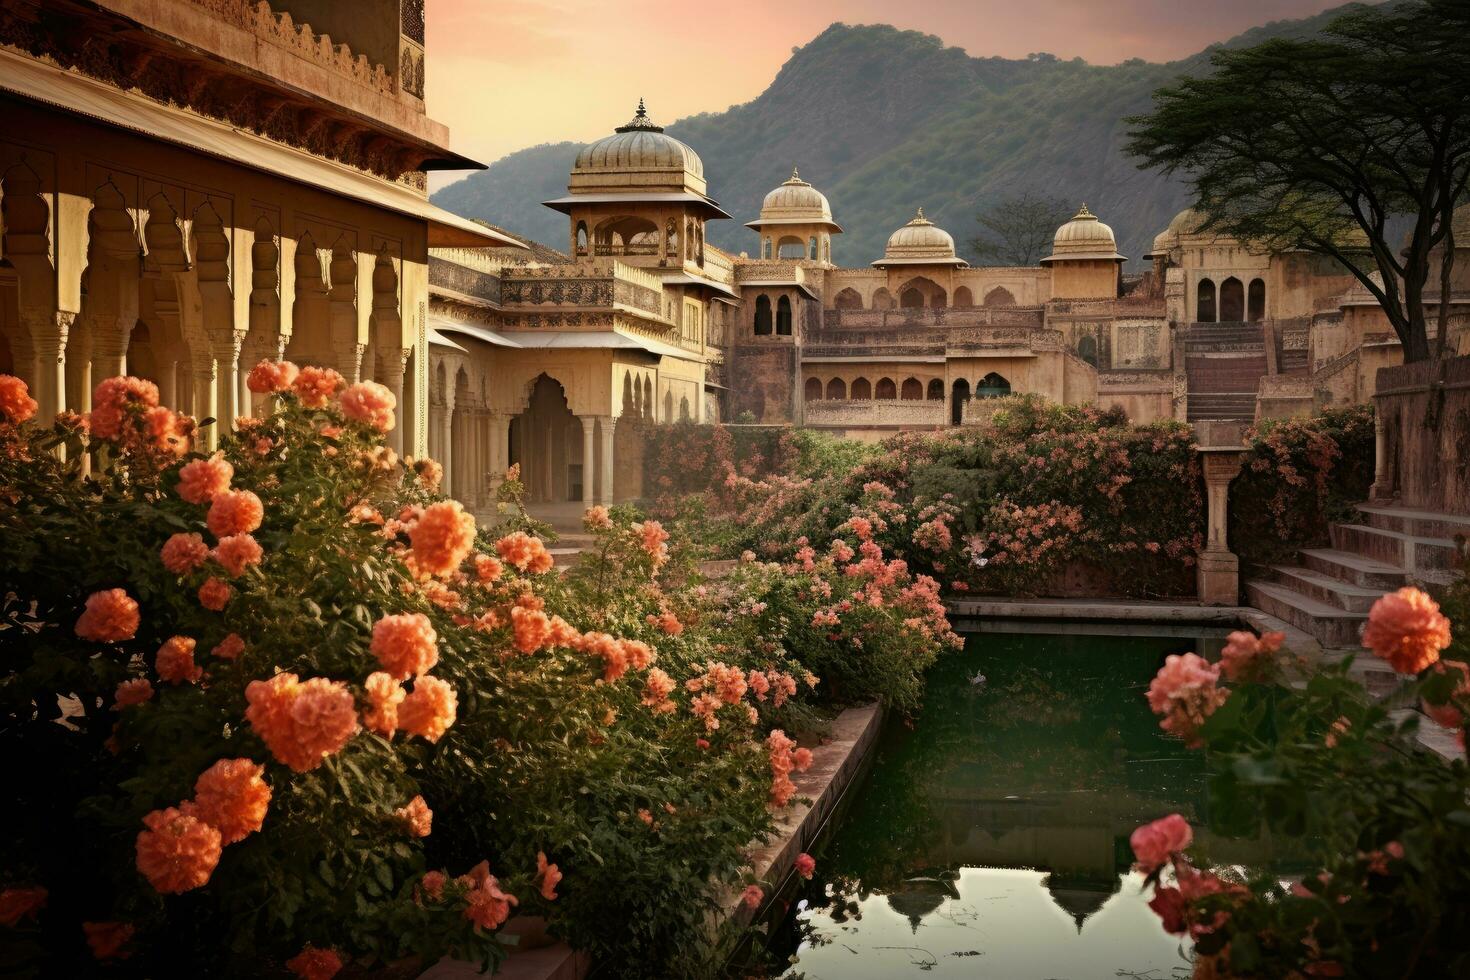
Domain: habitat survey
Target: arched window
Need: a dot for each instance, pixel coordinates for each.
(791, 247)
(827, 251)
(813, 389)
(668, 406)
(684, 409)
(766, 249)
(957, 403)
(992, 386)
(912, 390)
(848, 299)
(648, 398)
(936, 390)
(1087, 349)
(1205, 302)
(1232, 301)
(783, 316)
(1000, 296)
(581, 238)
(911, 299)
(836, 388)
(811, 246)
(861, 390)
(1255, 300)
(762, 316)
(886, 389)
(963, 298)
(882, 299)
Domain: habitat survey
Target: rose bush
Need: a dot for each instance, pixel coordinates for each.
(1336, 778)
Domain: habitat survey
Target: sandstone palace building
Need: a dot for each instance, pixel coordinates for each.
(191, 185)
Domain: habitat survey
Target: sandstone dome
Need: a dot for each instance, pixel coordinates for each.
(920, 242)
(796, 199)
(641, 155)
(1084, 237)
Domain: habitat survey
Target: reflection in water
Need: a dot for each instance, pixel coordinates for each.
(991, 839)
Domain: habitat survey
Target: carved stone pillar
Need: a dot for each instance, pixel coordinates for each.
(589, 457)
(48, 332)
(605, 470)
(110, 335)
(204, 373)
(1382, 489)
(1218, 571)
(446, 448)
(394, 367)
(499, 425)
(548, 471)
(225, 349)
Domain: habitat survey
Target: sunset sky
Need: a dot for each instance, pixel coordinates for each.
(506, 74)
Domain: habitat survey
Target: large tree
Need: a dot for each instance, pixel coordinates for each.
(1315, 143)
(1018, 230)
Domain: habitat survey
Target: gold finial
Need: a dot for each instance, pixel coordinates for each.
(1083, 213)
(794, 175)
(642, 113)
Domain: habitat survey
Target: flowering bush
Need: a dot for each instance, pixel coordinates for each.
(1336, 777)
(285, 706)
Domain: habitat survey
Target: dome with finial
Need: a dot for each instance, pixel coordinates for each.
(920, 242)
(638, 156)
(795, 202)
(1084, 237)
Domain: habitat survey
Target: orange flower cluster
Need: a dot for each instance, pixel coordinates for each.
(234, 512)
(315, 386)
(405, 645)
(175, 661)
(525, 552)
(784, 758)
(201, 480)
(429, 709)
(654, 540)
(416, 817)
(442, 538)
(315, 964)
(1184, 691)
(656, 691)
(1247, 655)
(177, 851)
(25, 902)
(232, 798)
(269, 377)
(384, 695)
(301, 722)
(132, 692)
(1407, 629)
(617, 655)
(16, 404)
(215, 594)
(184, 552)
(229, 648)
(369, 403)
(126, 411)
(548, 874)
(237, 552)
(487, 569)
(110, 616)
(108, 939)
(487, 906)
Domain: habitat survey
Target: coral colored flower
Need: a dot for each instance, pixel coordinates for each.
(232, 798)
(370, 403)
(487, 569)
(315, 386)
(433, 884)
(548, 874)
(21, 903)
(269, 377)
(229, 648)
(405, 644)
(752, 897)
(234, 512)
(1245, 653)
(16, 404)
(215, 594)
(531, 627)
(653, 538)
(416, 817)
(1184, 691)
(487, 906)
(132, 692)
(175, 661)
(111, 615)
(429, 472)
(1407, 629)
(805, 865)
(1154, 844)
(597, 518)
(301, 722)
(429, 709)
(525, 552)
(201, 480)
(237, 552)
(384, 695)
(112, 399)
(184, 552)
(442, 537)
(656, 691)
(315, 964)
(178, 851)
(107, 939)
(1448, 714)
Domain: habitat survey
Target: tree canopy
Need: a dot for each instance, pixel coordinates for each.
(1318, 143)
(1018, 230)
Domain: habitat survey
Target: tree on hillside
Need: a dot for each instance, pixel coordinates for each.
(1316, 143)
(1018, 230)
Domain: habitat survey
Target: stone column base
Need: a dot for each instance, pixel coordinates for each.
(1218, 578)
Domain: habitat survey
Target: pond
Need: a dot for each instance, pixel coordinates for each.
(991, 837)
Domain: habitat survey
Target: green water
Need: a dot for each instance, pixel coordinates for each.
(991, 838)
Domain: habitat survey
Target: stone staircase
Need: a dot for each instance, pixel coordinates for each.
(1224, 363)
(1329, 591)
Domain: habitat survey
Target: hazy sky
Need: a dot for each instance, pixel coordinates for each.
(507, 74)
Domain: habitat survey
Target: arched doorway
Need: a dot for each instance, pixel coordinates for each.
(836, 389)
(763, 316)
(963, 298)
(936, 390)
(1000, 296)
(1255, 300)
(1232, 301)
(1087, 349)
(813, 389)
(961, 395)
(993, 386)
(912, 390)
(783, 316)
(546, 440)
(861, 390)
(1204, 305)
(886, 389)
(848, 299)
(882, 299)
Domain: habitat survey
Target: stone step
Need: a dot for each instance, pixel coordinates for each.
(1331, 626)
(1354, 569)
(1422, 523)
(1326, 589)
(1407, 551)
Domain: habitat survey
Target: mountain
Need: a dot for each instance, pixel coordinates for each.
(884, 121)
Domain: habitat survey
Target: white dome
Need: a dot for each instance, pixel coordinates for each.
(639, 154)
(920, 242)
(796, 199)
(1084, 237)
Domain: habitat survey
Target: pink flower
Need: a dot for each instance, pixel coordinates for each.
(184, 552)
(16, 404)
(215, 594)
(237, 552)
(315, 386)
(132, 692)
(752, 897)
(1245, 654)
(1185, 693)
(111, 615)
(1154, 844)
(234, 512)
(201, 480)
(433, 884)
(370, 403)
(805, 865)
(405, 644)
(175, 661)
(112, 399)
(1407, 629)
(268, 377)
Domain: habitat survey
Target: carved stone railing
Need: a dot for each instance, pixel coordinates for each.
(909, 319)
(877, 412)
